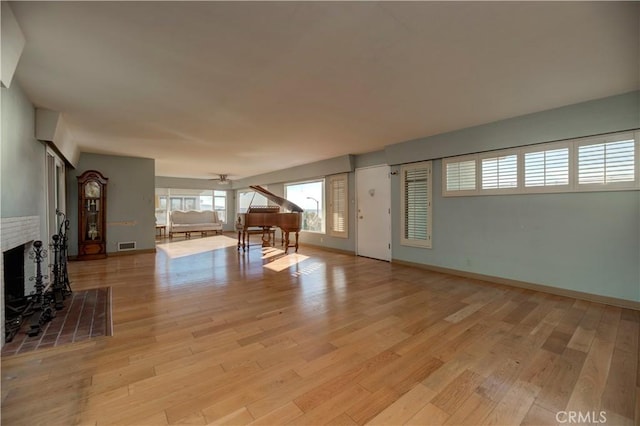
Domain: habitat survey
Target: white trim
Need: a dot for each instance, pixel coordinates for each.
(323, 211)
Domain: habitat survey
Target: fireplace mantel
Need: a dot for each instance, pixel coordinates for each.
(15, 231)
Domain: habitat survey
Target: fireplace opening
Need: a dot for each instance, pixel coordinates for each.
(14, 279)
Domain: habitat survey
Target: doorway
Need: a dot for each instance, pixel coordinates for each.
(373, 212)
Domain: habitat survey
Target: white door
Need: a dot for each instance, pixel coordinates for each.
(373, 212)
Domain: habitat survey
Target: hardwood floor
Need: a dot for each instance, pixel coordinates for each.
(219, 338)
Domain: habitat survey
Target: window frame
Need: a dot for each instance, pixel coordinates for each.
(412, 242)
(606, 186)
(551, 146)
(224, 211)
(192, 195)
(480, 172)
(460, 159)
(321, 212)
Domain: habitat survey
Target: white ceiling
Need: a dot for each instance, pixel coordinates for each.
(245, 88)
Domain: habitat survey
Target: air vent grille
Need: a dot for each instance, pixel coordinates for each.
(127, 246)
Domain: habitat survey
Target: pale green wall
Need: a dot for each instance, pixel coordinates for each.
(587, 242)
(130, 200)
(612, 114)
(23, 158)
(22, 166)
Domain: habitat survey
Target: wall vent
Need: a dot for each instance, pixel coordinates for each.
(127, 246)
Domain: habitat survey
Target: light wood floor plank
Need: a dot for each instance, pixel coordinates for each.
(217, 338)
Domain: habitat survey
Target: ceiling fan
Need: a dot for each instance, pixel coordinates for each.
(223, 179)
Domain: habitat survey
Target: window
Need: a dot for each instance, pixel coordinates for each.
(601, 163)
(607, 162)
(190, 203)
(309, 196)
(220, 204)
(459, 175)
(161, 207)
(189, 199)
(177, 203)
(338, 206)
(546, 168)
(416, 204)
(500, 172)
(250, 198)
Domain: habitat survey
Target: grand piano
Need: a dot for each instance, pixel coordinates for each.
(264, 218)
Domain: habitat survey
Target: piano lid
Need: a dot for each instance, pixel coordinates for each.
(282, 202)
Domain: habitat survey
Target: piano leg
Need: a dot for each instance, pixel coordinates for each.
(266, 236)
(286, 242)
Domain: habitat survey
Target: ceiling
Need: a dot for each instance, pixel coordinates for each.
(244, 88)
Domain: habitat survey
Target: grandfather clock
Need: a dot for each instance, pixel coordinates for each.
(92, 215)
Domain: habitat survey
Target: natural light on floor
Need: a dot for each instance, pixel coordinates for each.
(196, 246)
(269, 252)
(283, 262)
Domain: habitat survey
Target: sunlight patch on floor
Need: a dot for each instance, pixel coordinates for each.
(285, 262)
(196, 246)
(269, 252)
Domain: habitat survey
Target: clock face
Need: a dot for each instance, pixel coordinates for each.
(92, 189)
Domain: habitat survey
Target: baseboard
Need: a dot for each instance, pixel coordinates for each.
(613, 301)
(130, 252)
(121, 253)
(331, 249)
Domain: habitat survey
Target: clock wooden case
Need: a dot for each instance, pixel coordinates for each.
(92, 215)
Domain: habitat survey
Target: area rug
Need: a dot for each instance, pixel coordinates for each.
(86, 315)
(196, 246)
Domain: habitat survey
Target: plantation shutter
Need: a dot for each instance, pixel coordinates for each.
(461, 176)
(338, 205)
(416, 181)
(500, 172)
(608, 162)
(546, 168)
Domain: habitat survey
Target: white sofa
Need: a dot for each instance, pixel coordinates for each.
(194, 221)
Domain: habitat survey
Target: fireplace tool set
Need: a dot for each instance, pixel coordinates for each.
(41, 305)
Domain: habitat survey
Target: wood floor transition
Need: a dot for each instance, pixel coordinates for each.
(326, 338)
